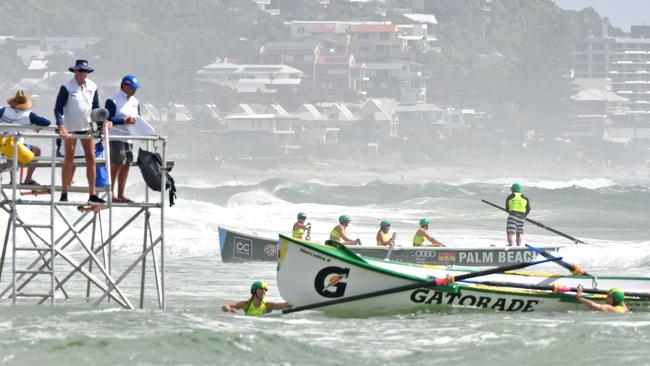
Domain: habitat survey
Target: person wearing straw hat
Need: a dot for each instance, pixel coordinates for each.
(518, 207)
(19, 111)
(76, 99)
(124, 109)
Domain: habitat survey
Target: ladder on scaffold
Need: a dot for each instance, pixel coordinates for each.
(51, 250)
(41, 236)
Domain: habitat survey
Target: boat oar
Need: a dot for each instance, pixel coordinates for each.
(435, 282)
(573, 268)
(577, 241)
(390, 246)
(555, 288)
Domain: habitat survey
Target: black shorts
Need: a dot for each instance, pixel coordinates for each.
(121, 153)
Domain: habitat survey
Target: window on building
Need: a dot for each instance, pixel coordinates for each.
(363, 36)
(384, 36)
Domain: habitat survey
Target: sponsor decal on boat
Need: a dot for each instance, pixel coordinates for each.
(638, 304)
(242, 248)
(429, 296)
(447, 256)
(488, 257)
(425, 253)
(270, 250)
(314, 255)
(331, 281)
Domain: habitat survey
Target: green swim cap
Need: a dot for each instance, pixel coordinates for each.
(344, 218)
(257, 285)
(302, 215)
(516, 187)
(424, 222)
(617, 295)
(384, 223)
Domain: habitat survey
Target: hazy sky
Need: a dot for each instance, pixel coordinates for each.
(621, 13)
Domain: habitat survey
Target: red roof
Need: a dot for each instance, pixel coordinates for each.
(321, 29)
(374, 28)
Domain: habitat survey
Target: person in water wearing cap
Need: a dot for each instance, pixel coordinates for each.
(76, 99)
(299, 227)
(19, 111)
(518, 207)
(423, 233)
(123, 109)
(256, 305)
(383, 239)
(615, 302)
(338, 233)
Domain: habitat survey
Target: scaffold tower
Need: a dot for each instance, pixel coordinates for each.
(76, 240)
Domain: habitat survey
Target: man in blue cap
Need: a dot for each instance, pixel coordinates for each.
(124, 109)
(518, 207)
(76, 99)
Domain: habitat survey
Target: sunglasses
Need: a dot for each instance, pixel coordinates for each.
(81, 71)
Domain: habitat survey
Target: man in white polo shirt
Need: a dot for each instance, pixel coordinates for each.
(123, 109)
(74, 102)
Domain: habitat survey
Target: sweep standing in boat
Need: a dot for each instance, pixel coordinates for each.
(615, 302)
(383, 239)
(518, 207)
(299, 227)
(423, 233)
(19, 111)
(338, 233)
(256, 305)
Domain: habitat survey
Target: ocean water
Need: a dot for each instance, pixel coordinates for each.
(611, 217)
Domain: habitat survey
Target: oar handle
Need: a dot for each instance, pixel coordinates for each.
(434, 282)
(577, 241)
(573, 268)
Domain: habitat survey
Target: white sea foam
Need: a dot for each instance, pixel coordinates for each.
(594, 183)
(200, 184)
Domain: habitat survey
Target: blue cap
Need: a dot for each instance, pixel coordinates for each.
(131, 80)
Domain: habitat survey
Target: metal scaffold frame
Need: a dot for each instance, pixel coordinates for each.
(85, 229)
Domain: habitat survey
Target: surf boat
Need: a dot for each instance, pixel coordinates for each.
(241, 247)
(335, 279)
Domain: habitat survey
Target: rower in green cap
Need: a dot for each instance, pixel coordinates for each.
(256, 304)
(518, 207)
(423, 233)
(338, 232)
(299, 227)
(383, 239)
(615, 302)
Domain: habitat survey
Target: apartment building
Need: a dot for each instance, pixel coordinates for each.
(623, 60)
